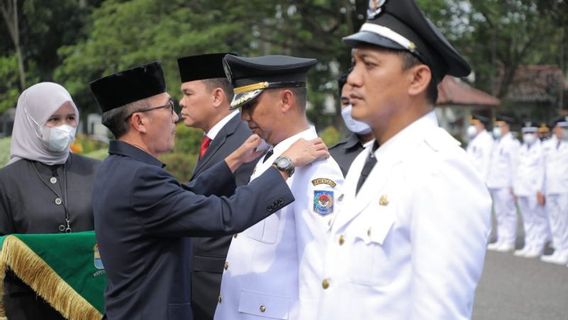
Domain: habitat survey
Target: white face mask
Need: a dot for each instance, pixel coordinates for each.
(529, 138)
(497, 132)
(58, 139)
(471, 131)
(353, 125)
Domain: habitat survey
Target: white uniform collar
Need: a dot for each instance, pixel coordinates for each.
(399, 141)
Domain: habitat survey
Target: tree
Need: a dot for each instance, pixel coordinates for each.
(9, 10)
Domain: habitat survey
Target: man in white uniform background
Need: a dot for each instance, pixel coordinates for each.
(500, 181)
(409, 242)
(273, 269)
(556, 190)
(480, 144)
(529, 189)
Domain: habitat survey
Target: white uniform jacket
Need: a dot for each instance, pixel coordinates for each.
(504, 161)
(411, 244)
(530, 170)
(479, 149)
(556, 170)
(273, 269)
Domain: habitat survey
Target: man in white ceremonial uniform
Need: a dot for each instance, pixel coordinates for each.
(480, 144)
(409, 242)
(556, 191)
(529, 188)
(273, 268)
(500, 181)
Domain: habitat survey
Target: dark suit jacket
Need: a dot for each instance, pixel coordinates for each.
(345, 151)
(209, 253)
(143, 217)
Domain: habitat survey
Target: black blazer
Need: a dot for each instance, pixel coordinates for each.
(209, 253)
(345, 151)
(143, 217)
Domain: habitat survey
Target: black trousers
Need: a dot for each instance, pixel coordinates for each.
(22, 303)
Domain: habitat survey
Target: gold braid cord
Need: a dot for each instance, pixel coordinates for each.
(31, 269)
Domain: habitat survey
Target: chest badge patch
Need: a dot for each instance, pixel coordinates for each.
(384, 200)
(323, 202)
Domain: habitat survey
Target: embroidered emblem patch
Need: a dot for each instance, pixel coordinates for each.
(323, 202)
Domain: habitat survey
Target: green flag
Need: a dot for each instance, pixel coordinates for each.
(64, 269)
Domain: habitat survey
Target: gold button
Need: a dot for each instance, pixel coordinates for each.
(341, 240)
(220, 299)
(325, 283)
(226, 265)
(262, 308)
(58, 201)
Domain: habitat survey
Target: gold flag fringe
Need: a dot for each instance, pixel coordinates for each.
(37, 274)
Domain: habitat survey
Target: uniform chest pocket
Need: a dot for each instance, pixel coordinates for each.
(371, 250)
(265, 231)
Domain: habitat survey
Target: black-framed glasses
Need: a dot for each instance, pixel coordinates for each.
(171, 104)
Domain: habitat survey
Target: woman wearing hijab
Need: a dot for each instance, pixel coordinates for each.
(44, 188)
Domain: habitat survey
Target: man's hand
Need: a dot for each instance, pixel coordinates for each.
(304, 152)
(245, 153)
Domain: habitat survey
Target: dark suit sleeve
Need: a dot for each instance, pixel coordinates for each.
(167, 210)
(243, 173)
(217, 180)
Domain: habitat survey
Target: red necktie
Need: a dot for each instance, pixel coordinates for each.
(204, 145)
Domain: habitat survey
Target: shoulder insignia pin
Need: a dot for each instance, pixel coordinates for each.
(327, 181)
(384, 200)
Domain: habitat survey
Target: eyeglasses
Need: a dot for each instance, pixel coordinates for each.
(170, 104)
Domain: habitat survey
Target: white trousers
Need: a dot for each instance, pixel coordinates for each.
(557, 210)
(535, 222)
(505, 214)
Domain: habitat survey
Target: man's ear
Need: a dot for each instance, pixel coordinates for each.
(218, 96)
(138, 122)
(287, 99)
(420, 77)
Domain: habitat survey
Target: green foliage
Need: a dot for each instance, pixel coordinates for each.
(330, 136)
(182, 160)
(84, 144)
(4, 151)
(9, 85)
(99, 154)
(122, 34)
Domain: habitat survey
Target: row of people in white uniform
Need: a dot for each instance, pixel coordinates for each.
(535, 174)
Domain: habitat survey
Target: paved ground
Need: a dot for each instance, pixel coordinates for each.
(514, 288)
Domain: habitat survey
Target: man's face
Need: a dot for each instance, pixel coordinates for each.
(478, 125)
(260, 114)
(378, 85)
(503, 126)
(560, 131)
(160, 124)
(345, 96)
(197, 105)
